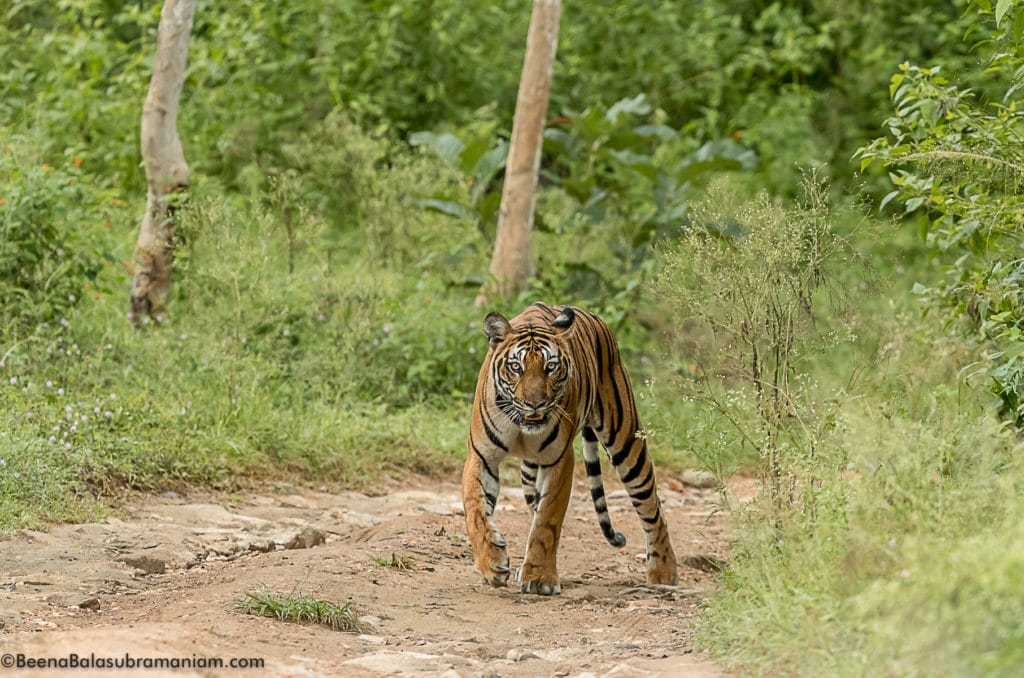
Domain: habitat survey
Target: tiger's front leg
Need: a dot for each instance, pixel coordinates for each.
(479, 495)
(539, 573)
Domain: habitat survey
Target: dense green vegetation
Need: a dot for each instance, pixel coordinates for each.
(347, 162)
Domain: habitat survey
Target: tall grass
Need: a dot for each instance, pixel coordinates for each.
(898, 550)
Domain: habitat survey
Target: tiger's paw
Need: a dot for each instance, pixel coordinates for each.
(541, 588)
(536, 582)
(492, 561)
(662, 571)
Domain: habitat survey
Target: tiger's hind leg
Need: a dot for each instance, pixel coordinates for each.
(592, 462)
(633, 464)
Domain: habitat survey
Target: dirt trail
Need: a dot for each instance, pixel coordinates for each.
(160, 580)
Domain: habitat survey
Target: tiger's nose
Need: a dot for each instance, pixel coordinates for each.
(534, 403)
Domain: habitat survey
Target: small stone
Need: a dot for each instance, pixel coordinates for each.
(286, 489)
(372, 640)
(517, 655)
(149, 562)
(84, 602)
(308, 538)
(703, 480)
(262, 545)
(370, 620)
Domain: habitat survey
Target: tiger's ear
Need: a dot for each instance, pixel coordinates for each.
(565, 318)
(496, 327)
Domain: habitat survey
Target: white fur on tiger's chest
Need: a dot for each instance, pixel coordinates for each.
(541, 446)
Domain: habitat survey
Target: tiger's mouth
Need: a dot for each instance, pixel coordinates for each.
(534, 420)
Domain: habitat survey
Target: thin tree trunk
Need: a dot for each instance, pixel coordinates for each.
(166, 169)
(510, 264)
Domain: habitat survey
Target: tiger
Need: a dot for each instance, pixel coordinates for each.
(550, 373)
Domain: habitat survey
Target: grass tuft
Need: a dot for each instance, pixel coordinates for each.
(300, 609)
(399, 561)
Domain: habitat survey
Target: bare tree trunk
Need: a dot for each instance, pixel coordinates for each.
(166, 169)
(510, 264)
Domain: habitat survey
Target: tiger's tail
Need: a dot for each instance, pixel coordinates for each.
(592, 461)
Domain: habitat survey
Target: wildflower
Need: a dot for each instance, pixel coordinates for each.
(85, 418)
(77, 162)
(60, 391)
(49, 384)
(71, 297)
(67, 408)
(14, 381)
(73, 429)
(3, 462)
(28, 415)
(67, 446)
(107, 414)
(53, 439)
(95, 410)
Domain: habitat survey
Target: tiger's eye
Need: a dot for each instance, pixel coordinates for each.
(515, 368)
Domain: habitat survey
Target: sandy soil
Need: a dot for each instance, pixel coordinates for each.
(159, 581)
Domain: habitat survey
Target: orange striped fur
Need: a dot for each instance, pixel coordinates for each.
(551, 373)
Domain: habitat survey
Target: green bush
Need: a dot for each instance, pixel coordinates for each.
(955, 161)
(56, 234)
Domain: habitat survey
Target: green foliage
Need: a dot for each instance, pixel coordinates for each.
(957, 161)
(56, 234)
(914, 569)
(747, 288)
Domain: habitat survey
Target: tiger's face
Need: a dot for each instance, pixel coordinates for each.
(530, 370)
